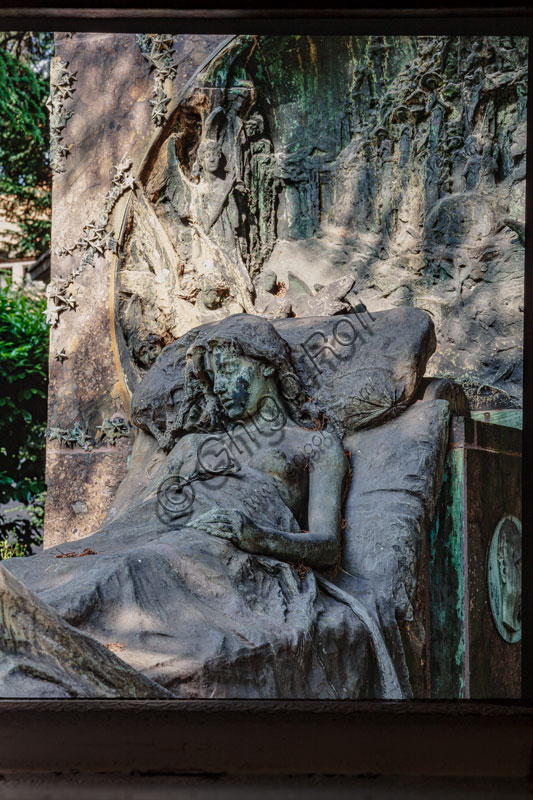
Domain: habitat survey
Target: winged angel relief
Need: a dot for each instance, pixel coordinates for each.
(202, 226)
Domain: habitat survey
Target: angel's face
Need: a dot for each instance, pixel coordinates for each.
(210, 157)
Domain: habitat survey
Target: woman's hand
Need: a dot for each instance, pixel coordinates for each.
(224, 523)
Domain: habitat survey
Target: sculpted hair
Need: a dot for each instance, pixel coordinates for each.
(246, 335)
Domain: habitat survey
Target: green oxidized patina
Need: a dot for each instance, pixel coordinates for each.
(447, 584)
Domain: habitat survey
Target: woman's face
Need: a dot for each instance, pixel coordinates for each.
(241, 383)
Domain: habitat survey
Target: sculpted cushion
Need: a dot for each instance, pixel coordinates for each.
(361, 368)
(396, 477)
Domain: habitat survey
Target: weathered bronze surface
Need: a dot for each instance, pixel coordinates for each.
(383, 170)
(299, 174)
(504, 578)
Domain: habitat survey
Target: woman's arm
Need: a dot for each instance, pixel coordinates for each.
(327, 473)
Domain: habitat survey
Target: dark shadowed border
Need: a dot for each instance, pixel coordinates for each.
(217, 737)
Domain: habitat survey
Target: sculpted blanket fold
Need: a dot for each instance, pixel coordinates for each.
(43, 656)
(205, 619)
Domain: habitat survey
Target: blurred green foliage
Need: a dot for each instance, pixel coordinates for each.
(25, 176)
(23, 389)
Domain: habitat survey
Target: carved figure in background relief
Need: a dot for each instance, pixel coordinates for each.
(215, 220)
(416, 151)
(218, 216)
(259, 178)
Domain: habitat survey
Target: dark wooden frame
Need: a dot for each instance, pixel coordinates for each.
(460, 738)
(236, 737)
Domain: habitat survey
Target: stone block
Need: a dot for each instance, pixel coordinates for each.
(470, 561)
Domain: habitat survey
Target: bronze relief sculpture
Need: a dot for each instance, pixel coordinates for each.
(504, 578)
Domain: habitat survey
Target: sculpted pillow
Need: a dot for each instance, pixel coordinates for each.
(361, 369)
